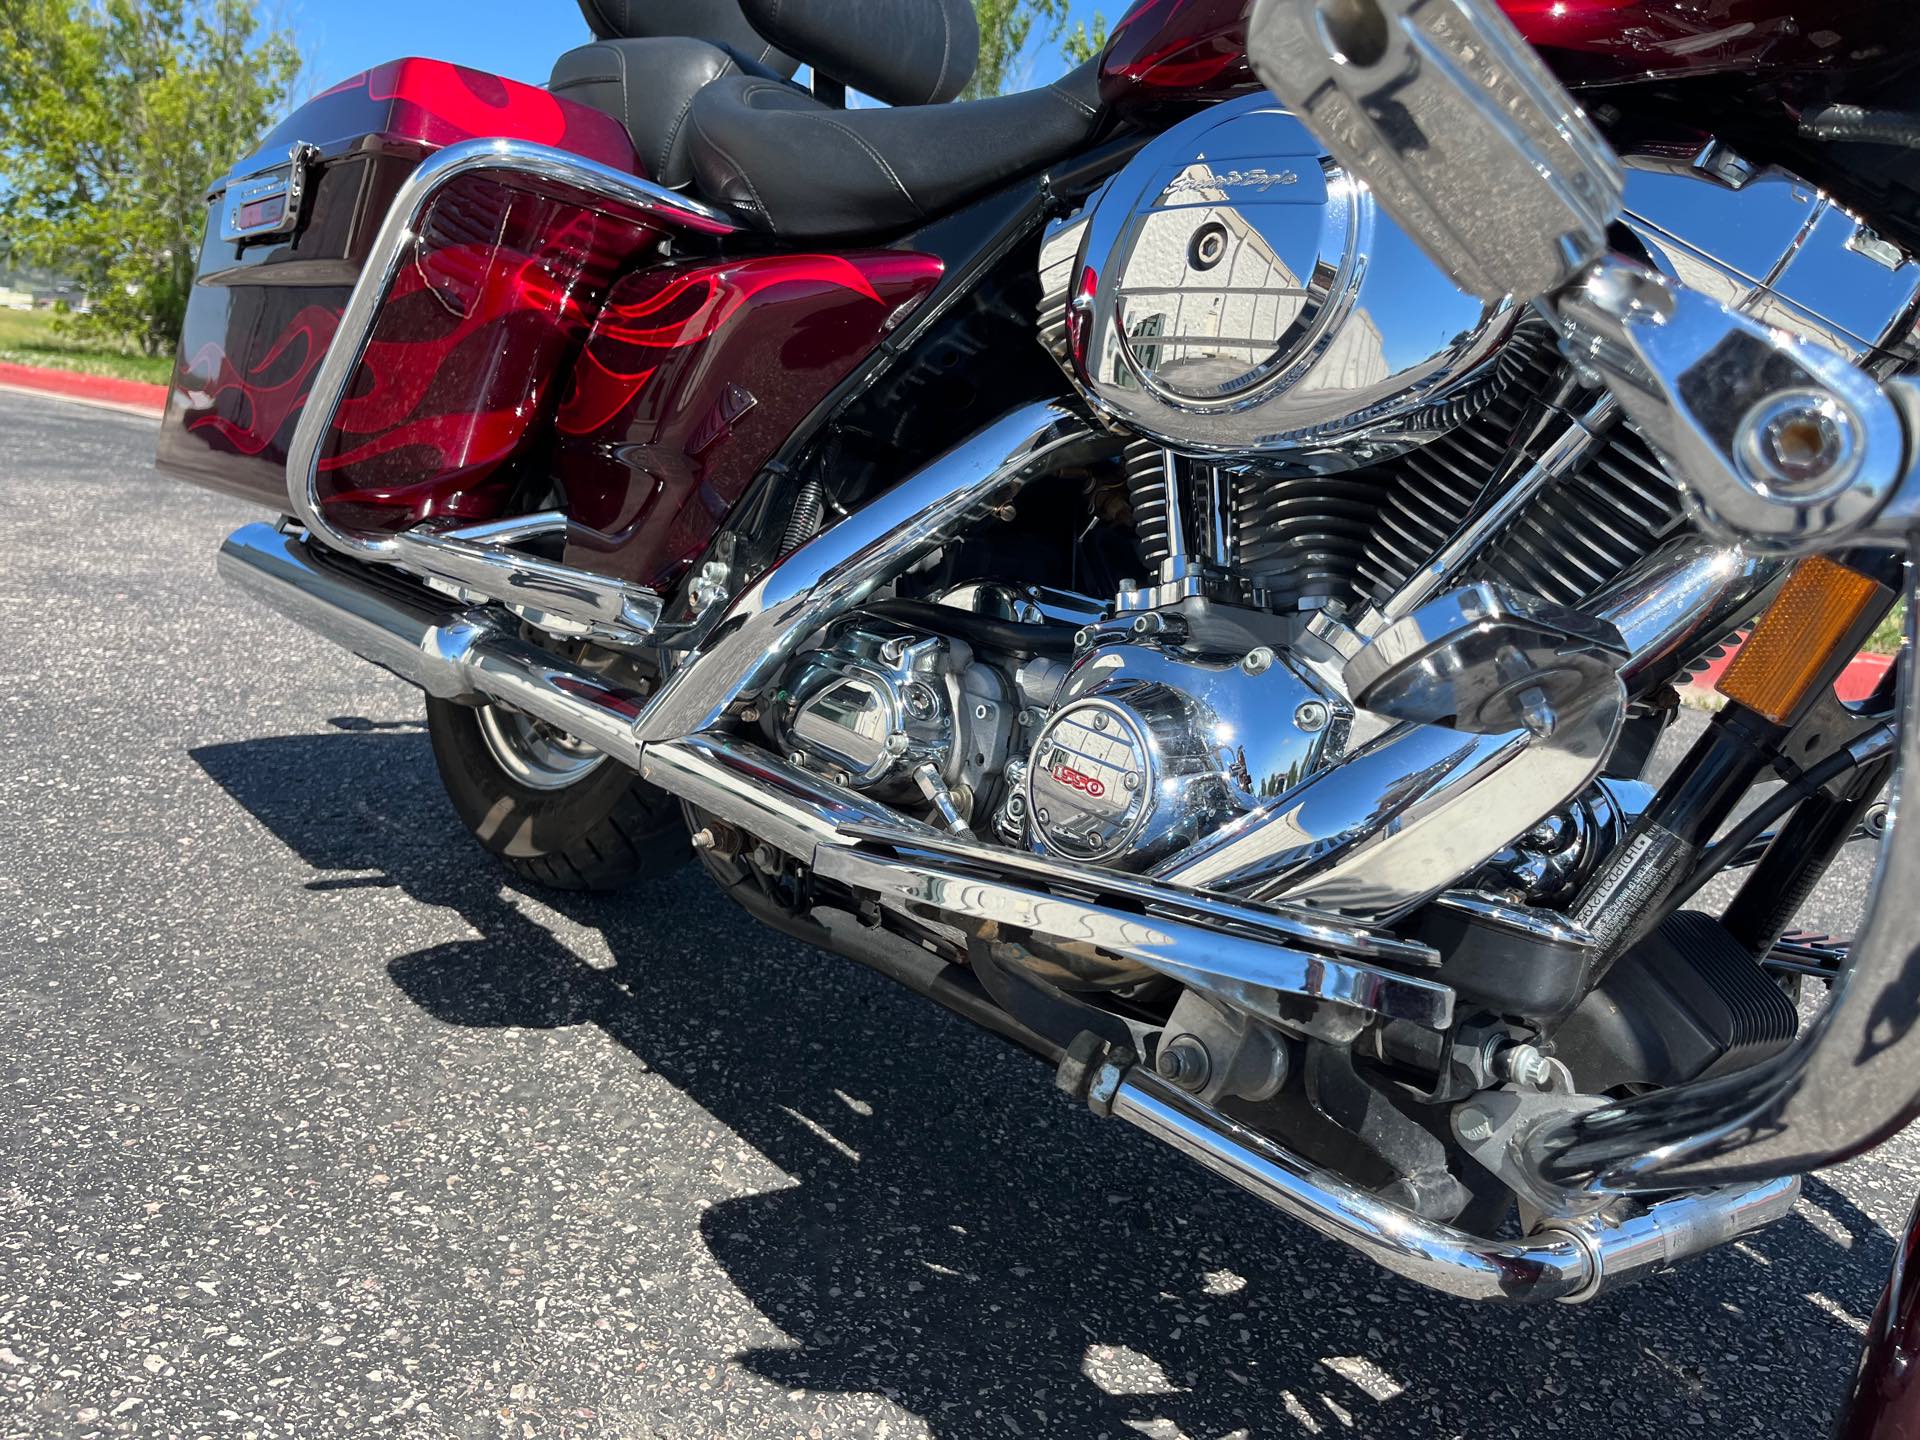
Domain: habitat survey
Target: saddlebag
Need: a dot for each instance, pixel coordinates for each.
(482, 314)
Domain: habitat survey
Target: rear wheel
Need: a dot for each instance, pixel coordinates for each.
(556, 812)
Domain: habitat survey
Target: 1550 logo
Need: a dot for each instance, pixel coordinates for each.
(1074, 780)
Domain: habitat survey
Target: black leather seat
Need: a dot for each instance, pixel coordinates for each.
(719, 22)
(649, 85)
(905, 52)
(781, 161)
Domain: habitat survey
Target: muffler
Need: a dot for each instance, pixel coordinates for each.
(1571, 1260)
(426, 640)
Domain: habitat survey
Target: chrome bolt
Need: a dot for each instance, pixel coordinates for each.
(980, 712)
(1527, 1067)
(1082, 639)
(1185, 1062)
(1099, 720)
(1016, 806)
(1041, 815)
(701, 839)
(1799, 444)
(920, 701)
(1312, 716)
(1537, 712)
(1132, 782)
(894, 651)
(1025, 717)
(1474, 1125)
(1258, 662)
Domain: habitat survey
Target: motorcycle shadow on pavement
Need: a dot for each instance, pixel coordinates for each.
(963, 1241)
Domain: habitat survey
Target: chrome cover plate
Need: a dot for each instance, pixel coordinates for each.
(1247, 297)
(1105, 770)
(1773, 247)
(1151, 747)
(881, 701)
(873, 705)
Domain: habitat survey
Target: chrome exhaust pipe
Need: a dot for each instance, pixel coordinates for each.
(426, 641)
(1571, 1261)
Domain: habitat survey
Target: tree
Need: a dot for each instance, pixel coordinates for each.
(1007, 25)
(115, 116)
(1084, 42)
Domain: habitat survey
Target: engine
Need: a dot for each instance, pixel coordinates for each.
(1324, 431)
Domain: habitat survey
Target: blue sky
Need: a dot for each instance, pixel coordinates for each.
(517, 38)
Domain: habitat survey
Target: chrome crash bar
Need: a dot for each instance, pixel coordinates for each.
(599, 187)
(1785, 447)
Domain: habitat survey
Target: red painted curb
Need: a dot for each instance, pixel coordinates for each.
(1857, 682)
(104, 388)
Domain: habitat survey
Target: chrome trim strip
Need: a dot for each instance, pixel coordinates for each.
(1278, 924)
(843, 565)
(597, 185)
(1573, 1261)
(1238, 952)
(744, 784)
(1250, 975)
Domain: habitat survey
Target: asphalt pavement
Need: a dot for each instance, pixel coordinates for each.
(314, 1125)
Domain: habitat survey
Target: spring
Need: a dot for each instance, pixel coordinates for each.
(809, 507)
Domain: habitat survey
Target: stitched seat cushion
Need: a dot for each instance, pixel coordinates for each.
(783, 162)
(649, 86)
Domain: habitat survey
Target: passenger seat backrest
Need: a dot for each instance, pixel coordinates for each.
(718, 21)
(905, 52)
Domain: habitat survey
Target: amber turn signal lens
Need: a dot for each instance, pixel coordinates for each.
(1819, 608)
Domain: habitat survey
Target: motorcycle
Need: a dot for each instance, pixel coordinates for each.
(1185, 567)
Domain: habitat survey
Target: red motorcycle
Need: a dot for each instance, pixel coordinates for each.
(1185, 567)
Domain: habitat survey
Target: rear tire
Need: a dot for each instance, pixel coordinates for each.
(555, 813)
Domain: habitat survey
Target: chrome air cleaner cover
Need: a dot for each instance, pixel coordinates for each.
(1233, 293)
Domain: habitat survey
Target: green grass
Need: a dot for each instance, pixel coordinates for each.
(28, 337)
(1886, 640)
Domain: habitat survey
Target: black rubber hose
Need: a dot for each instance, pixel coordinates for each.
(1763, 818)
(1854, 124)
(984, 631)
